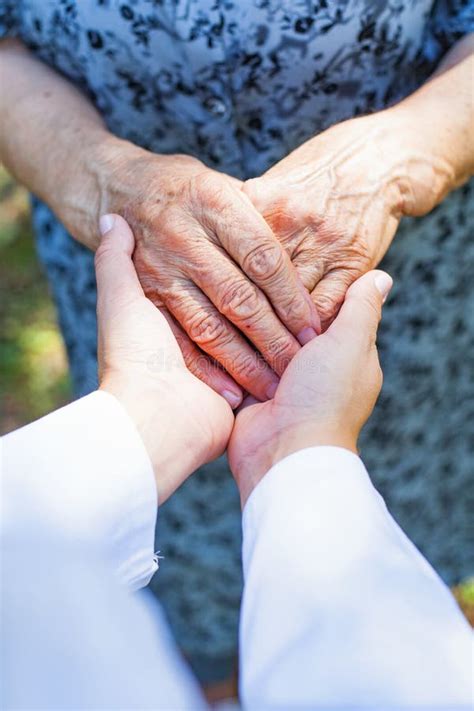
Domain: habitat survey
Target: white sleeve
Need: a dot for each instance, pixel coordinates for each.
(79, 501)
(84, 471)
(339, 607)
(74, 638)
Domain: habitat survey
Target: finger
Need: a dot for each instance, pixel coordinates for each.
(329, 293)
(248, 239)
(203, 367)
(213, 334)
(244, 305)
(298, 234)
(310, 269)
(117, 280)
(362, 308)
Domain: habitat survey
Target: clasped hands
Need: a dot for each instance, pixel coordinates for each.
(246, 273)
(264, 285)
(324, 397)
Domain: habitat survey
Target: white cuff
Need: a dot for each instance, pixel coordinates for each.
(296, 483)
(84, 471)
(323, 563)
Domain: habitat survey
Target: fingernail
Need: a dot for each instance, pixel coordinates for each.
(384, 283)
(106, 223)
(306, 335)
(232, 398)
(271, 390)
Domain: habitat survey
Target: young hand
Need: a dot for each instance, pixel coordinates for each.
(183, 423)
(325, 395)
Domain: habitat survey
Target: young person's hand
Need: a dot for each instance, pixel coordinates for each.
(183, 423)
(325, 395)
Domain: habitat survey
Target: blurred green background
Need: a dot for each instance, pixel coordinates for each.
(33, 366)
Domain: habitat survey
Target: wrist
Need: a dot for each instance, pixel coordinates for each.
(109, 167)
(80, 196)
(435, 132)
(135, 183)
(250, 470)
(175, 450)
(424, 170)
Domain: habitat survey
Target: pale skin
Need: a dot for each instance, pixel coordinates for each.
(239, 259)
(325, 396)
(183, 423)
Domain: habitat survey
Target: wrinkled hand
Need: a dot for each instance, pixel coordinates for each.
(182, 422)
(335, 202)
(210, 261)
(325, 395)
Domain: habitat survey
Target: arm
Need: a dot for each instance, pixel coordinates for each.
(339, 608)
(337, 200)
(84, 474)
(436, 123)
(52, 140)
(79, 505)
(72, 638)
(91, 472)
(219, 264)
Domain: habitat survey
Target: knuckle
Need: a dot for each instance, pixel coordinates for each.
(244, 366)
(376, 374)
(207, 329)
(174, 228)
(281, 351)
(284, 347)
(240, 299)
(294, 306)
(331, 291)
(206, 189)
(328, 303)
(264, 262)
(371, 341)
(204, 181)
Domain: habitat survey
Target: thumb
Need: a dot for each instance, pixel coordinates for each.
(117, 280)
(362, 308)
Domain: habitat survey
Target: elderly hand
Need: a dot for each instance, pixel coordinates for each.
(336, 201)
(182, 422)
(325, 395)
(209, 260)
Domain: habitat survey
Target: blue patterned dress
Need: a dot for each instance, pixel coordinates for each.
(239, 84)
